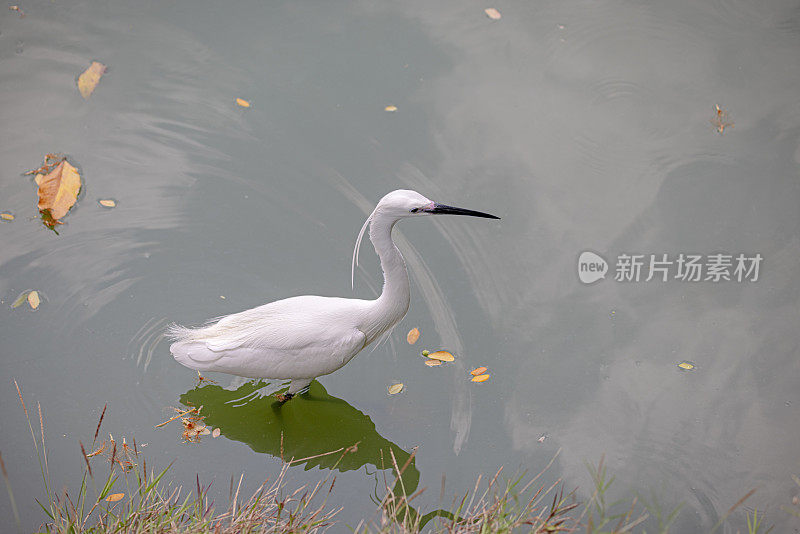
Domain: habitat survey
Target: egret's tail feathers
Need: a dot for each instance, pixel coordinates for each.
(194, 355)
(198, 348)
(176, 332)
(220, 334)
(187, 350)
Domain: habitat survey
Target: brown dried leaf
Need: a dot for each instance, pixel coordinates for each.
(480, 378)
(242, 102)
(390, 107)
(107, 202)
(114, 497)
(7, 216)
(58, 192)
(89, 78)
(478, 371)
(216, 433)
(442, 355)
(33, 299)
(191, 423)
(433, 363)
(413, 336)
(721, 120)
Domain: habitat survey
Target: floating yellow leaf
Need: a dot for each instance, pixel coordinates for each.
(478, 371)
(492, 13)
(480, 378)
(394, 389)
(88, 80)
(114, 497)
(433, 363)
(686, 365)
(413, 336)
(216, 433)
(390, 108)
(58, 192)
(107, 203)
(242, 102)
(33, 299)
(7, 216)
(441, 355)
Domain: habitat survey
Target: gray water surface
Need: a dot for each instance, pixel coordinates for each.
(584, 125)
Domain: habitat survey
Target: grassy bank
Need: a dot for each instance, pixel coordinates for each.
(118, 493)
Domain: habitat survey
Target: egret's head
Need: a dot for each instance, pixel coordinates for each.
(407, 203)
(402, 203)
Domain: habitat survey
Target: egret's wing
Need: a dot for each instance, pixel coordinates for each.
(309, 333)
(289, 324)
(219, 345)
(320, 358)
(187, 352)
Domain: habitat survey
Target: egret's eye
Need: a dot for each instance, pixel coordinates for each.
(415, 210)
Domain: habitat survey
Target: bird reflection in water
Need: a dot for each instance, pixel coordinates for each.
(314, 430)
(302, 431)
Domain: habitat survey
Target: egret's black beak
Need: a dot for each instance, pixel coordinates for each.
(451, 210)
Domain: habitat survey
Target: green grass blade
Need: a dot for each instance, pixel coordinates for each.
(158, 478)
(49, 514)
(107, 488)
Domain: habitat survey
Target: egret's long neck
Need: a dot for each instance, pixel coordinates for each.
(392, 305)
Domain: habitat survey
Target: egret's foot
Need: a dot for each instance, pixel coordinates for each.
(283, 397)
(201, 379)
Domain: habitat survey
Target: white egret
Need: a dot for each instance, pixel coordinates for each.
(301, 338)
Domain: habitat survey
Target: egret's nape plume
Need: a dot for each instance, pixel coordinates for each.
(357, 249)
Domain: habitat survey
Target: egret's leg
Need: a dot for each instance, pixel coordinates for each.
(298, 384)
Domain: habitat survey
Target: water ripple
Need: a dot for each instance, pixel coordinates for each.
(143, 344)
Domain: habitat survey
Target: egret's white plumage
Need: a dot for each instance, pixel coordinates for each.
(301, 338)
